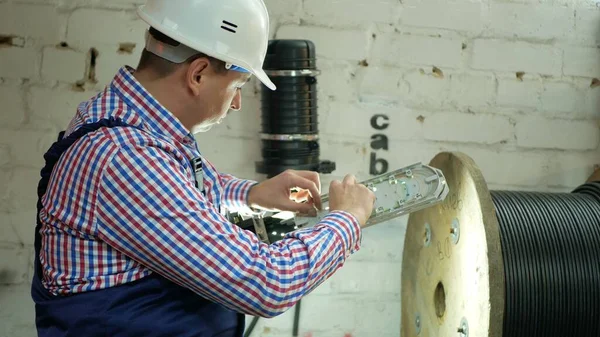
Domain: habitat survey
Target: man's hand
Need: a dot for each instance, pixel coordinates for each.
(276, 194)
(351, 197)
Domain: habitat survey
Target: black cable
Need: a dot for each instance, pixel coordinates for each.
(251, 327)
(296, 319)
(551, 253)
(296, 322)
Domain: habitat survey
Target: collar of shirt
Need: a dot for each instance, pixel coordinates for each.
(155, 117)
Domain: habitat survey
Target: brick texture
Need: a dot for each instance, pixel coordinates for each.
(350, 44)
(55, 107)
(514, 20)
(463, 127)
(504, 55)
(350, 12)
(461, 16)
(382, 84)
(13, 107)
(582, 61)
(472, 90)
(19, 63)
(124, 27)
(7, 233)
(586, 25)
(519, 93)
(37, 21)
(526, 169)
(558, 134)
(562, 97)
(63, 65)
(397, 49)
(14, 264)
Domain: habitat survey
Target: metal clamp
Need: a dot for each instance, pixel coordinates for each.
(427, 235)
(455, 231)
(293, 73)
(463, 329)
(259, 228)
(266, 136)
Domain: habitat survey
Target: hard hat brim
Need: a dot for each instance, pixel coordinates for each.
(264, 78)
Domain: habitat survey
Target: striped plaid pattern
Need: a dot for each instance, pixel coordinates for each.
(122, 204)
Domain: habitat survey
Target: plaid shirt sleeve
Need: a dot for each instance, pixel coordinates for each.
(149, 209)
(235, 191)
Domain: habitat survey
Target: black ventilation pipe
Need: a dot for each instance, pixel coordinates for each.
(289, 119)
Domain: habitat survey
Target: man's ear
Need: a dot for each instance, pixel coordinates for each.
(196, 74)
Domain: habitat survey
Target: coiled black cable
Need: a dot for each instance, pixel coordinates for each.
(551, 253)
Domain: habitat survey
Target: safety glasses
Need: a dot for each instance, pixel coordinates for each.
(236, 68)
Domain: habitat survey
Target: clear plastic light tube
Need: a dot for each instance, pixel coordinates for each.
(397, 193)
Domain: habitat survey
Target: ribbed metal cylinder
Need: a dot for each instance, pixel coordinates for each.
(289, 115)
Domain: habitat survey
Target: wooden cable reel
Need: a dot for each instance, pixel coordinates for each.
(501, 263)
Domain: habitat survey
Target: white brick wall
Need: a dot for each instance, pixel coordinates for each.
(124, 26)
(14, 265)
(16, 19)
(462, 16)
(558, 134)
(582, 61)
(63, 65)
(514, 20)
(350, 44)
(349, 13)
(466, 127)
(19, 63)
(397, 50)
(506, 55)
(13, 105)
(507, 82)
(519, 93)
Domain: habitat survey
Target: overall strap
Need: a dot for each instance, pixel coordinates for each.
(51, 157)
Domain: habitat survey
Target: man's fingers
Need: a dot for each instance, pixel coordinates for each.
(309, 185)
(300, 196)
(306, 208)
(349, 179)
(312, 176)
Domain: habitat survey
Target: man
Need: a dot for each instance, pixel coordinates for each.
(132, 239)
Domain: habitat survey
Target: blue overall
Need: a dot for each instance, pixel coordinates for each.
(152, 306)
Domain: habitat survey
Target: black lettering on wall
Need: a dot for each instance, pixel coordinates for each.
(379, 141)
(377, 124)
(383, 165)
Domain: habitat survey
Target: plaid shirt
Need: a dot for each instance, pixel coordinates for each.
(122, 204)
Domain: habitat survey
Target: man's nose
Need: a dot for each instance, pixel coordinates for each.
(236, 104)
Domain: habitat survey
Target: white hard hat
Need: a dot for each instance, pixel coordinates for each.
(233, 31)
